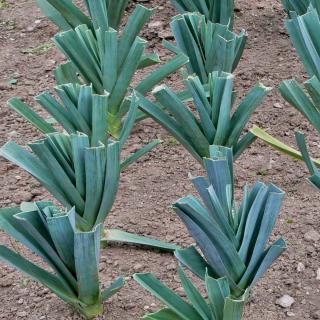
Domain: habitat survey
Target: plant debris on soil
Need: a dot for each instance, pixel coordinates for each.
(149, 187)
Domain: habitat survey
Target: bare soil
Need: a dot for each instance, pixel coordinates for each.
(149, 187)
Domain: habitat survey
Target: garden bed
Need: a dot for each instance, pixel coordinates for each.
(149, 187)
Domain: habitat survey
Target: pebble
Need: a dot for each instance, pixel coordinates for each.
(318, 274)
(6, 282)
(277, 106)
(171, 266)
(22, 196)
(312, 235)
(290, 314)
(138, 267)
(285, 301)
(156, 24)
(301, 267)
(129, 306)
(166, 34)
(22, 314)
(12, 134)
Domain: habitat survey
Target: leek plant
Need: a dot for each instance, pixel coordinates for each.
(79, 176)
(109, 62)
(209, 46)
(102, 13)
(233, 241)
(214, 121)
(72, 255)
(217, 11)
(103, 57)
(303, 31)
(80, 110)
(219, 306)
(76, 174)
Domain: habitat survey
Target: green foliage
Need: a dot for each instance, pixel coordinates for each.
(217, 11)
(233, 239)
(73, 256)
(307, 104)
(83, 174)
(315, 172)
(215, 121)
(95, 85)
(304, 31)
(80, 110)
(109, 62)
(219, 306)
(312, 164)
(278, 145)
(299, 7)
(209, 46)
(102, 13)
(125, 237)
(76, 174)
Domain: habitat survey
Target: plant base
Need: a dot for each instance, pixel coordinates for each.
(91, 311)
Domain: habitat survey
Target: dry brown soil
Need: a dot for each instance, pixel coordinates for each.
(150, 186)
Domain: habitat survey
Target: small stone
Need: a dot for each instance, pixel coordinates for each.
(301, 267)
(290, 314)
(318, 274)
(129, 306)
(289, 281)
(171, 266)
(166, 34)
(103, 266)
(155, 25)
(277, 106)
(6, 282)
(285, 301)
(30, 28)
(138, 267)
(22, 314)
(24, 196)
(312, 236)
(13, 134)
